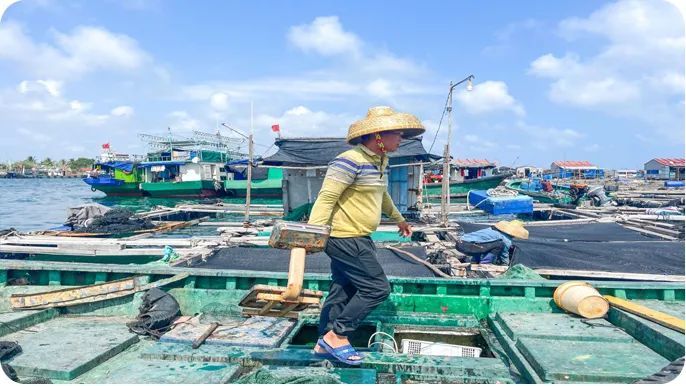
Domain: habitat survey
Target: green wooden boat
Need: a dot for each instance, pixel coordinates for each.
(116, 179)
(271, 186)
(559, 195)
(181, 189)
(520, 334)
(461, 188)
(183, 174)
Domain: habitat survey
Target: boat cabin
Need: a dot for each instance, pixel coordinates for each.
(304, 162)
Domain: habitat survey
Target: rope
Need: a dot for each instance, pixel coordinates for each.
(501, 191)
(414, 257)
(395, 344)
(439, 123)
(498, 191)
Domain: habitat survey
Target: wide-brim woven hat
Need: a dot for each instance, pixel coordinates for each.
(514, 228)
(383, 118)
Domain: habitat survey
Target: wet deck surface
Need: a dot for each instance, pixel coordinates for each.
(555, 347)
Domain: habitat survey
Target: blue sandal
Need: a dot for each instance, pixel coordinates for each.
(342, 353)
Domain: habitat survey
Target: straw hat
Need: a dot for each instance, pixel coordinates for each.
(383, 118)
(514, 228)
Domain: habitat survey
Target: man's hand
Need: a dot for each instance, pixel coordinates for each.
(404, 229)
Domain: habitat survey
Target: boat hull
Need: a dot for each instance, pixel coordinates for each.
(114, 188)
(460, 189)
(184, 189)
(539, 196)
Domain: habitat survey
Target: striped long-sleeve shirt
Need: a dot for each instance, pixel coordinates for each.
(354, 194)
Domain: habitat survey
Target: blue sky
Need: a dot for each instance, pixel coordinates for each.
(576, 80)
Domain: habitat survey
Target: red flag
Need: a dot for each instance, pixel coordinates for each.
(275, 128)
(106, 145)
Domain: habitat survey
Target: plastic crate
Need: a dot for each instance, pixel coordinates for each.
(420, 347)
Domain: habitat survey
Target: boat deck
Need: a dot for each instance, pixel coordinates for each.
(523, 336)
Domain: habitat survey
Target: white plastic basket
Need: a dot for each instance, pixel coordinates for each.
(420, 347)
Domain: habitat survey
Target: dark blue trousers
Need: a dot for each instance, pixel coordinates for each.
(358, 285)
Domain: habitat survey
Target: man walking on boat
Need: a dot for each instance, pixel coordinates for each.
(353, 197)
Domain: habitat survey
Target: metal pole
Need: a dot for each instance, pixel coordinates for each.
(249, 182)
(247, 189)
(445, 189)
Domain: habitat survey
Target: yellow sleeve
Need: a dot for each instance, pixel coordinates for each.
(388, 208)
(326, 200)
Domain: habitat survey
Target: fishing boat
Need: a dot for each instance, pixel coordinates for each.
(430, 330)
(186, 167)
(533, 187)
(266, 181)
(465, 175)
(115, 174)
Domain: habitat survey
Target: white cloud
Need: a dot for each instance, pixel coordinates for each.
(302, 121)
(542, 137)
(325, 35)
(487, 97)
(380, 88)
(41, 102)
(122, 111)
(53, 87)
(219, 101)
(638, 69)
(183, 121)
(84, 50)
(606, 91)
(34, 135)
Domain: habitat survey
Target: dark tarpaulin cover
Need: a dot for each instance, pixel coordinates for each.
(276, 260)
(607, 247)
(121, 165)
(320, 151)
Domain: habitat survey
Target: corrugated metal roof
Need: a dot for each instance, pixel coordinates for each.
(573, 164)
(670, 161)
(473, 163)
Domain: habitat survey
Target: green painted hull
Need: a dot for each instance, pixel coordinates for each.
(127, 189)
(561, 198)
(460, 189)
(262, 188)
(185, 189)
(515, 322)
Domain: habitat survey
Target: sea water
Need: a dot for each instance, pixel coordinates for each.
(42, 203)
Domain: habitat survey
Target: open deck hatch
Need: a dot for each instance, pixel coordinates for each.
(308, 334)
(470, 337)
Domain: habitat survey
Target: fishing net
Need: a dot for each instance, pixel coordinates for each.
(156, 314)
(8, 350)
(313, 375)
(301, 213)
(118, 220)
(9, 371)
(521, 272)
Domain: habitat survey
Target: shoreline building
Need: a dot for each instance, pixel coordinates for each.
(664, 169)
(575, 169)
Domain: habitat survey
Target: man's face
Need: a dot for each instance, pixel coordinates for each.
(391, 139)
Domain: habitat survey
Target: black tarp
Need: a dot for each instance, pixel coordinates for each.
(607, 247)
(276, 260)
(320, 151)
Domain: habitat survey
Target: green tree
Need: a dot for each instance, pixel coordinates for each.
(47, 163)
(81, 162)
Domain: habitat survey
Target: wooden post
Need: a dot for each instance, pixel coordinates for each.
(296, 274)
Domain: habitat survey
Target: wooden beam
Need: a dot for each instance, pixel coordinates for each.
(87, 294)
(610, 275)
(658, 317)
